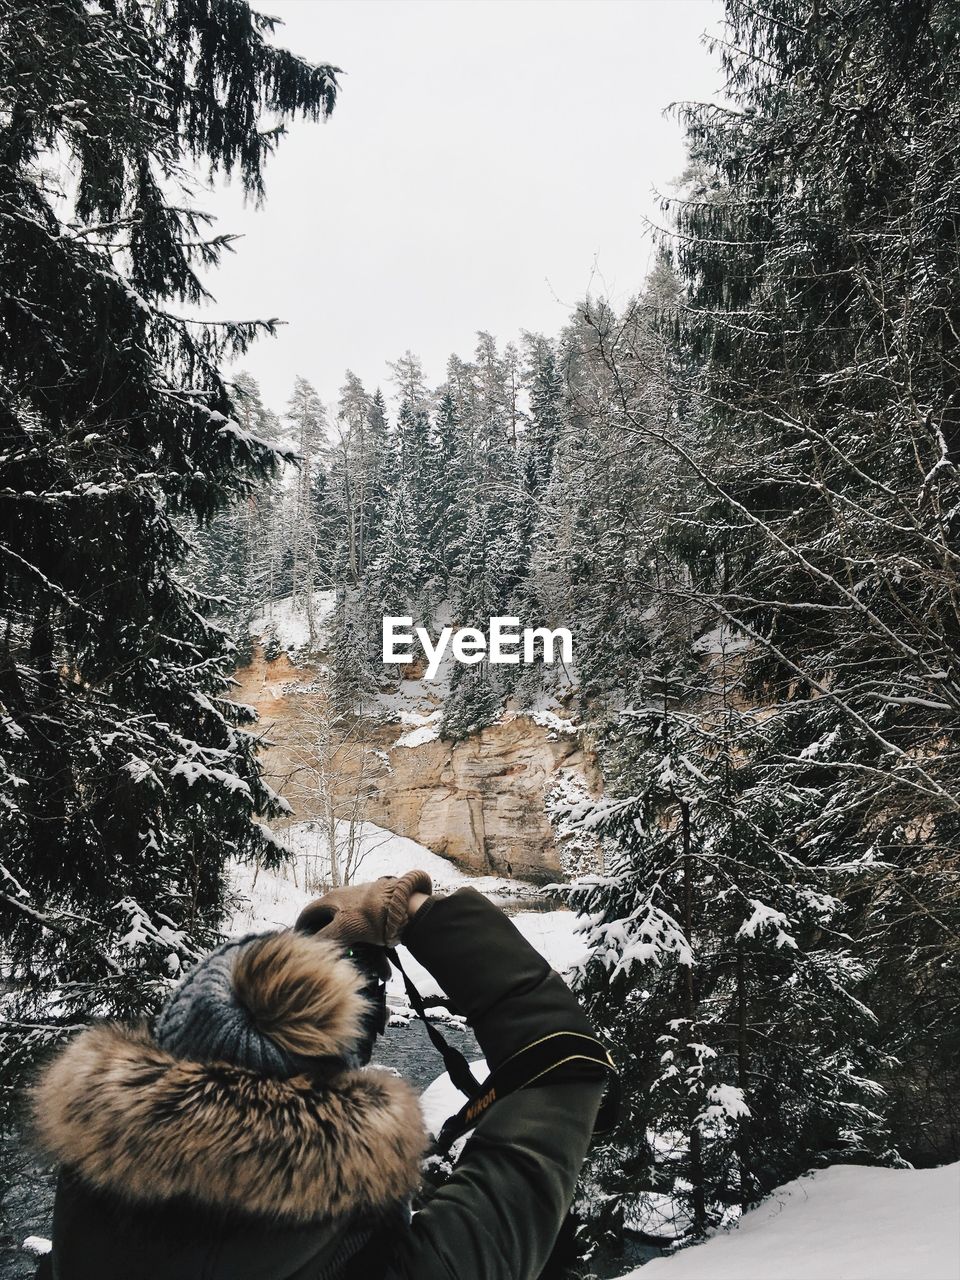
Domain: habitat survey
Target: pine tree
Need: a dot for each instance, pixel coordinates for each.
(397, 571)
(307, 417)
(233, 556)
(493, 410)
(350, 469)
(378, 472)
(407, 376)
(545, 387)
(331, 554)
(818, 249)
(473, 702)
(413, 456)
(353, 676)
(411, 510)
(715, 966)
(599, 519)
(127, 776)
(449, 490)
(476, 696)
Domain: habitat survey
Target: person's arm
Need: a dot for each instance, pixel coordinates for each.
(498, 1216)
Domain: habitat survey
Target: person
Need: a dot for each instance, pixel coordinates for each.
(245, 1139)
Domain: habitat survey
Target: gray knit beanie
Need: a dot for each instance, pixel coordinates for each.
(203, 1020)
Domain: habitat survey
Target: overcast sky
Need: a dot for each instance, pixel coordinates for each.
(488, 163)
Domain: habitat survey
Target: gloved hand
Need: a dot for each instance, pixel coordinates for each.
(374, 913)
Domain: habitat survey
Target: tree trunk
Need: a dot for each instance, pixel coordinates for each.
(696, 1142)
(743, 1142)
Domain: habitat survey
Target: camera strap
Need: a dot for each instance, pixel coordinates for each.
(528, 1066)
(458, 1069)
(531, 1065)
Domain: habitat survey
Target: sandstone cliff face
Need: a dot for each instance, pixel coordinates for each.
(479, 802)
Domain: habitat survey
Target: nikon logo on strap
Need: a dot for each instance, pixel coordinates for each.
(478, 1107)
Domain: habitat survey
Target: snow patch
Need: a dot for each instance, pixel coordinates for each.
(442, 1099)
(37, 1246)
(541, 715)
(418, 737)
(423, 728)
(286, 624)
(847, 1222)
(722, 639)
(273, 899)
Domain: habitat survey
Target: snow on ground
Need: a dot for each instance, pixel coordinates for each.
(264, 900)
(418, 737)
(288, 626)
(422, 728)
(554, 935)
(382, 853)
(847, 1222)
(412, 702)
(544, 712)
(274, 899)
(443, 1099)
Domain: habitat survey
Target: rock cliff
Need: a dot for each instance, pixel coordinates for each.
(479, 802)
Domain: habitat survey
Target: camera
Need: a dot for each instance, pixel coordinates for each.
(375, 967)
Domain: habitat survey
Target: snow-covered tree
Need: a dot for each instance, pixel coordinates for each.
(396, 573)
(308, 421)
(126, 775)
(234, 558)
(820, 274)
(717, 962)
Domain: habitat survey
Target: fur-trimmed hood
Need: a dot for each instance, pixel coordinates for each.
(134, 1120)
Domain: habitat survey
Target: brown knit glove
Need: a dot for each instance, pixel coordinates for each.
(375, 913)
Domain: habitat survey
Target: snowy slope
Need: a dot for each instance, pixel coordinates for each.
(274, 899)
(843, 1223)
(288, 625)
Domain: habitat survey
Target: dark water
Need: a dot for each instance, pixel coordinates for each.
(409, 1051)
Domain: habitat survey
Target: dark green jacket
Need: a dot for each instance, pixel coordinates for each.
(185, 1171)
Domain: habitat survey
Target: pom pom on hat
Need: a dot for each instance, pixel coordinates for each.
(272, 1003)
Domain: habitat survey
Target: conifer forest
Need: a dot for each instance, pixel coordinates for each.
(739, 491)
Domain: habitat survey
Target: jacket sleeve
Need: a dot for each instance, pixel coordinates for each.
(498, 1215)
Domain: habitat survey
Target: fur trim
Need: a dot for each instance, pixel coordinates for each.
(137, 1122)
(301, 992)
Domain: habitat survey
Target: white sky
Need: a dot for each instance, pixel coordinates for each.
(488, 162)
